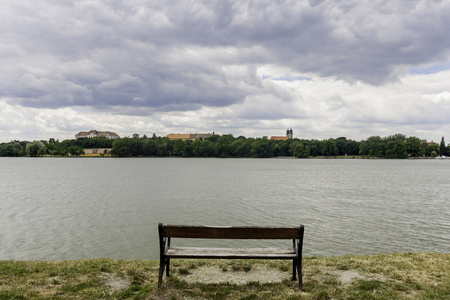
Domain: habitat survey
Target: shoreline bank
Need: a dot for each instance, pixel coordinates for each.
(394, 276)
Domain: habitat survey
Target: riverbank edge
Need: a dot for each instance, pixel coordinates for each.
(247, 157)
(394, 276)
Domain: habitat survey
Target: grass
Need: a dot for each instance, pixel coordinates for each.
(390, 276)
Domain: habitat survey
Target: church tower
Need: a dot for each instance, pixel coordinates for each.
(289, 133)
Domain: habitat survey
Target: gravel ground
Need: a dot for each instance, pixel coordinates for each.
(258, 273)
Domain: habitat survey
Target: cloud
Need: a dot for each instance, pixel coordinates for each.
(321, 65)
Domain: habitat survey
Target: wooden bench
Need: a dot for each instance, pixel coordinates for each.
(167, 252)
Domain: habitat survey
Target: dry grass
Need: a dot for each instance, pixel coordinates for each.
(391, 276)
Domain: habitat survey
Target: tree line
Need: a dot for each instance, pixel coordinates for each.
(394, 146)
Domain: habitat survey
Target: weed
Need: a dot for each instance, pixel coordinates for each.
(183, 271)
(284, 268)
(369, 285)
(250, 297)
(137, 277)
(130, 292)
(81, 286)
(342, 267)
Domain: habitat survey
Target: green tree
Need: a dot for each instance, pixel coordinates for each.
(314, 147)
(373, 146)
(200, 148)
(261, 148)
(75, 150)
(150, 147)
(442, 148)
(414, 147)
(11, 149)
(165, 147)
(188, 149)
(396, 137)
(223, 145)
(178, 148)
(35, 148)
(342, 144)
(353, 147)
(329, 148)
(284, 147)
(213, 138)
(301, 151)
(432, 148)
(121, 147)
(52, 145)
(293, 145)
(396, 149)
(242, 147)
(136, 147)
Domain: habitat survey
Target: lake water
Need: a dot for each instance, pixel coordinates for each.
(81, 208)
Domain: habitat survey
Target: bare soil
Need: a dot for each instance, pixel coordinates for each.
(213, 274)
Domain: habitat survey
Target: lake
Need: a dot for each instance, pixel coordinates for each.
(82, 208)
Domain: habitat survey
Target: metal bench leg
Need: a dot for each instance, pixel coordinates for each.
(294, 267)
(161, 271)
(168, 265)
(300, 276)
(162, 257)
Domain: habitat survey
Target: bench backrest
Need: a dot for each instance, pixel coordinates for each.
(233, 232)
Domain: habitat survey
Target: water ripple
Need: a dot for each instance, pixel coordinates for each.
(91, 208)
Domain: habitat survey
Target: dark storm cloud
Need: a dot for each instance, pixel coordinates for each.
(182, 55)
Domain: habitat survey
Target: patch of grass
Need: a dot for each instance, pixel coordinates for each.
(342, 267)
(183, 271)
(241, 265)
(80, 279)
(80, 286)
(16, 293)
(390, 276)
(250, 297)
(133, 292)
(368, 285)
(284, 268)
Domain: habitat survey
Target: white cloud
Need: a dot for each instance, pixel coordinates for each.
(439, 99)
(329, 67)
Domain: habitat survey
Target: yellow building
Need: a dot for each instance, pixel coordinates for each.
(189, 136)
(289, 135)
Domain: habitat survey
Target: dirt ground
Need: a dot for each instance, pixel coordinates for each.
(258, 273)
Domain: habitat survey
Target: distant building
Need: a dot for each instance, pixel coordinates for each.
(95, 133)
(97, 152)
(289, 135)
(135, 135)
(189, 136)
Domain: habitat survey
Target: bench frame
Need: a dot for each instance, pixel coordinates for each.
(166, 232)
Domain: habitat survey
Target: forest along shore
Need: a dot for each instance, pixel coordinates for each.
(392, 147)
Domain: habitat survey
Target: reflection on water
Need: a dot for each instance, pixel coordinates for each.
(73, 208)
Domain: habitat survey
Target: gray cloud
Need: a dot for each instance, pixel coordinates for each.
(106, 53)
(140, 58)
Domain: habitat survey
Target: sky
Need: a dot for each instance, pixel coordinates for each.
(326, 69)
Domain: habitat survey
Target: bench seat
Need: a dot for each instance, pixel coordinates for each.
(231, 253)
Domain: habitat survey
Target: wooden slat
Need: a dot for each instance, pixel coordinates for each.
(244, 232)
(254, 253)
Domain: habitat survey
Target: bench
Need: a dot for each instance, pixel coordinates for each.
(167, 252)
